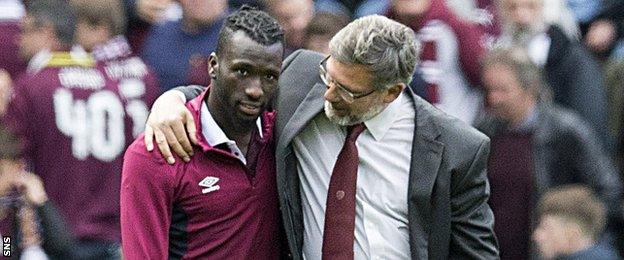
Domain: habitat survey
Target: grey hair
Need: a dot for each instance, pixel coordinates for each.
(387, 48)
(57, 14)
(529, 75)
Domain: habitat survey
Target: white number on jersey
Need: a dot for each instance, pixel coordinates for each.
(96, 126)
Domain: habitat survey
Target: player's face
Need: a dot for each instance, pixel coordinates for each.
(350, 97)
(246, 76)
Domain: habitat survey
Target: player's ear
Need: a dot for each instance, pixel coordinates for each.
(213, 65)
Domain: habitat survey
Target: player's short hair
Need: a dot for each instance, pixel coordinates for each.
(101, 12)
(257, 25)
(386, 47)
(575, 203)
(55, 13)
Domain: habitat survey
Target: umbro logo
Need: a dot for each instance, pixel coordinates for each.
(209, 184)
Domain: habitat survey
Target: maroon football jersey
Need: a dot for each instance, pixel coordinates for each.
(74, 123)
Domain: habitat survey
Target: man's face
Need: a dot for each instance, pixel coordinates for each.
(522, 13)
(504, 95)
(203, 11)
(406, 10)
(356, 79)
(246, 76)
(551, 236)
(32, 38)
(294, 16)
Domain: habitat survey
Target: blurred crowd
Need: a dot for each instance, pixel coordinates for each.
(544, 79)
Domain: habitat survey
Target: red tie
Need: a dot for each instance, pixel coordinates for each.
(339, 230)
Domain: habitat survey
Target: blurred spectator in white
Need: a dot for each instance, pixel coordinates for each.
(535, 145)
(571, 72)
(293, 16)
(321, 29)
(178, 51)
(571, 220)
(450, 57)
(11, 11)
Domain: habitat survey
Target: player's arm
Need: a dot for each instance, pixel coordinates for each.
(472, 220)
(172, 124)
(146, 202)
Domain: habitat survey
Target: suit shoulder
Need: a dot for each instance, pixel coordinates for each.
(453, 131)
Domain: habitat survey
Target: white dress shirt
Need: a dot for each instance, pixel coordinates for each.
(384, 148)
(215, 136)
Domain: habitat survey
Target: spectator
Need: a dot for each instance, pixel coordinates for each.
(100, 31)
(450, 56)
(178, 50)
(294, 16)
(11, 11)
(38, 229)
(70, 120)
(571, 72)
(353, 8)
(602, 25)
(570, 221)
(142, 14)
(535, 145)
(321, 29)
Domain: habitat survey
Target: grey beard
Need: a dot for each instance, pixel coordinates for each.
(352, 119)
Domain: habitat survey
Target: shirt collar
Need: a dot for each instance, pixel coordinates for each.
(115, 48)
(39, 61)
(530, 121)
(213, 134)
(379, 125)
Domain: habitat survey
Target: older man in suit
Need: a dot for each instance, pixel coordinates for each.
(365, 168)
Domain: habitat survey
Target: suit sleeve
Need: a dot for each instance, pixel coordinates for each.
(190, 92)
(472, 220)
(146, 205)
(18, 119)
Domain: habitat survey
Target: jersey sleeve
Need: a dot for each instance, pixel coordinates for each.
(147, 195)
(18, 118)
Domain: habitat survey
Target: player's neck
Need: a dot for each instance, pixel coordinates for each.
(240, 132)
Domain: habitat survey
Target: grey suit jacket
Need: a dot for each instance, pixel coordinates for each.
(448, 191)
(449, 217)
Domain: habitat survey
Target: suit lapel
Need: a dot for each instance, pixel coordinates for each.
(311, 105)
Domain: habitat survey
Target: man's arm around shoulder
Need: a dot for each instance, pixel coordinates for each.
(146, 203)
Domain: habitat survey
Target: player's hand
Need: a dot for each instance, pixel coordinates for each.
(32, 187)
(173, 127)
(151, 11)
(600, 36)
(5, 90)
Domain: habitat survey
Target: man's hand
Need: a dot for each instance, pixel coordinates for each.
(170, 122)
(32, 187)
(5, 90)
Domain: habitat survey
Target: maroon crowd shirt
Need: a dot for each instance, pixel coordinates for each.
(213, 207)
(74, 124)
